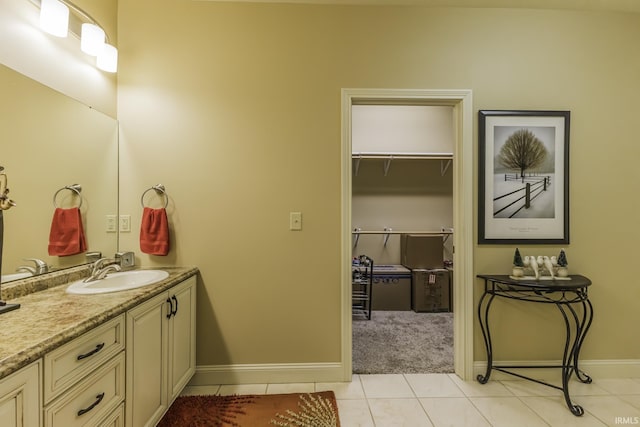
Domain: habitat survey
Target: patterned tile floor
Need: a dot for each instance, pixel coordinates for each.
(439, 400)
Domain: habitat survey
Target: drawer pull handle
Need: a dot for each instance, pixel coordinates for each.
(93, 405)
(92, 352)
(170, 313)
(176, 310)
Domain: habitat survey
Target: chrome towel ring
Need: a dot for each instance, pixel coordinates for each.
(76, 188)
(160, 191)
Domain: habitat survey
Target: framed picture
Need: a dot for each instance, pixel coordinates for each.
(523, 193)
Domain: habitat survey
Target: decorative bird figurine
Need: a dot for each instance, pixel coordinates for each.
(533, 263)
(548, 265)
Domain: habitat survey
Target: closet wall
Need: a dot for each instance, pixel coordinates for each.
(400, 179)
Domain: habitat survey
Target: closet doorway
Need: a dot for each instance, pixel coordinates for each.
(449, 169)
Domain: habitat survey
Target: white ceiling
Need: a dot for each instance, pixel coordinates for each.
(612, 5)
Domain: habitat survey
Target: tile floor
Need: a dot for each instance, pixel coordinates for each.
(439, 400)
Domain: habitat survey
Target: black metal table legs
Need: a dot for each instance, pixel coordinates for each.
(576, 325)
(572, 348)
(486, 334)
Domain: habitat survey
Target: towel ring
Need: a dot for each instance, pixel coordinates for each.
(159, 189)
(76, 188)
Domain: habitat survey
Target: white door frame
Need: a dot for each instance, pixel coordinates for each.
(463, 168)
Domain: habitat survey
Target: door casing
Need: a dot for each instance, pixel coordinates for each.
(463, 167)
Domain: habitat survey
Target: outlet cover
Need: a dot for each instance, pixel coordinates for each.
(125, 223)
(111, 225)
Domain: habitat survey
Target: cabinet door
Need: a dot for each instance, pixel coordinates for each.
(182, 338)
(20, 398)
(147, 333)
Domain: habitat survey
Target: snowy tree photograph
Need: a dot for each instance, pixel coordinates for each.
(523, 176)
(523, 172)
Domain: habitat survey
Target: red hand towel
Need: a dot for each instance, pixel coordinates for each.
(154, 232)
(67, 235)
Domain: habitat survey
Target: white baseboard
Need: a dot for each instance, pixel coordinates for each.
(620, 368)
(334, 372)
(268, 373)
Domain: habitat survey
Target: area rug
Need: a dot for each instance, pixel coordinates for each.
(255, 410)
(403, 342)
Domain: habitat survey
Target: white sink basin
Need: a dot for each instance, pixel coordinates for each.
(116, 282)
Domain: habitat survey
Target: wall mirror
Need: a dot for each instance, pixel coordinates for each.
(49, 141)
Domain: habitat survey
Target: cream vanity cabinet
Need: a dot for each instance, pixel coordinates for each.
(20, 397)
(84, 379)
(160, 352)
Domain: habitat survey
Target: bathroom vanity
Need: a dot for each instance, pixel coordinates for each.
(114, 359)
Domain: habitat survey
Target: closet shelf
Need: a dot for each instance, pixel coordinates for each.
(388, 232)
(445, 159)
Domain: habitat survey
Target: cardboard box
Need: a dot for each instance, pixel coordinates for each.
(419, 251)
(431, 290)
(391, 288)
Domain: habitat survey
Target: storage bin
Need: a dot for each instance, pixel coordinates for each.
(431, 290)
(391, 288)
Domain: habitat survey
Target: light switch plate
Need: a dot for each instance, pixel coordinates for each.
(295, 221)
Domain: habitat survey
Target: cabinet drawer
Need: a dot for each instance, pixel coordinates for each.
(92, 399)
(67, 364)
(114, 419)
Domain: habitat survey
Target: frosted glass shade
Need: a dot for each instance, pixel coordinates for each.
(108, 59)
(54, 18)
(92, 39)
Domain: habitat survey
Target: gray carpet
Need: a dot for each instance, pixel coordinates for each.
(403, 342)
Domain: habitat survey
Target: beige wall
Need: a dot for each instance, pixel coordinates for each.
(236, 109)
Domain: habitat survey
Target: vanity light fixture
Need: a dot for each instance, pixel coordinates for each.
(107, 59)
(92, 39)
(54, 19)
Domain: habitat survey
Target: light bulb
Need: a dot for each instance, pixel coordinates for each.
(108, 59)
(92, 39)
(54, 18)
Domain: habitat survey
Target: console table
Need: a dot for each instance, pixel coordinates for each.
(569, 296)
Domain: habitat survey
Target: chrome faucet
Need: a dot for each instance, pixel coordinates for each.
(26, 269)
(99, 271)
(40, 267)
(102, 273)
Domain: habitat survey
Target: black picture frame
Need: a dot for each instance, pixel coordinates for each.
(523, 177)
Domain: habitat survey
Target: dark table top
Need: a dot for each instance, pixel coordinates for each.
(576, 282)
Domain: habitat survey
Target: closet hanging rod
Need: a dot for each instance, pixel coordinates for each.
(405, 156)
(429, 233)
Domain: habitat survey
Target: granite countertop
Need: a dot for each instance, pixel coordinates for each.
(51, 317)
